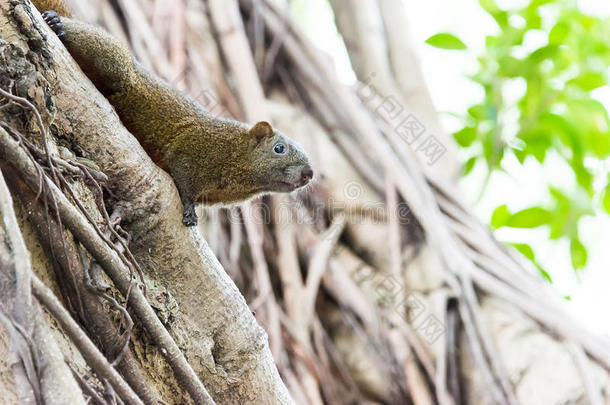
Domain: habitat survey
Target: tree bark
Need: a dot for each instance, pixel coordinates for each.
(231, 354)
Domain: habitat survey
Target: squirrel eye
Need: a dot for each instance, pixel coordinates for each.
(279, 148)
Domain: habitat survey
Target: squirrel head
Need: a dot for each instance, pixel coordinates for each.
(278, 163)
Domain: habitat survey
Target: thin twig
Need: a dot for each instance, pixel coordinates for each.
(86, 387)
(90, 352)
(318, 264)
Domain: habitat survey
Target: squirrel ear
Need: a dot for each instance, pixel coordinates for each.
(260, 130)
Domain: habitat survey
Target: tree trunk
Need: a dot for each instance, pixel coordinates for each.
(182, 277)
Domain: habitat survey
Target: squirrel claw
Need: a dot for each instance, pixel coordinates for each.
(189, 217)
(54, 22)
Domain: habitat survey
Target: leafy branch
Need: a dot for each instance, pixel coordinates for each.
(556, 113)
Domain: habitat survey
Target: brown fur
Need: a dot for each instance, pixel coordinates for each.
(211, 159)
(58, 5)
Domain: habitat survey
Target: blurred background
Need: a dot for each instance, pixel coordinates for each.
(481, 80)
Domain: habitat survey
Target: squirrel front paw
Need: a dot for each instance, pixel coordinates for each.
(54, 22)
(189, 217)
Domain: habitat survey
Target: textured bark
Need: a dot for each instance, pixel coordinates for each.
(39, 371)
(377, 37)
(230, 353)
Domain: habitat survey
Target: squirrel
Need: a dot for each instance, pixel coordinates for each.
(211, 160)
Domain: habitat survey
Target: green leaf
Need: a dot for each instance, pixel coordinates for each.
(500, 216)
(512, 67)
(592, 125)
(532, 18)
(537, 141)
(563, 207)
(606, 199)
(545, 274)
(520, 155)
(478, 112)
(469, 165)
(599, 142)
(541, 54)
(578, 253)
(559, 33)
(530, 218)
(583, 177)
(492, 8)
(465, 136)
(446, 41)
(525, 249)
(589, 81)
(538, 3)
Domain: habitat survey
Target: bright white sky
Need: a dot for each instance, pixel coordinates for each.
(451, 91)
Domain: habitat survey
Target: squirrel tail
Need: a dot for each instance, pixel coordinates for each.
(59, 6)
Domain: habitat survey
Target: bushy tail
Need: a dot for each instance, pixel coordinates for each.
(59, 6)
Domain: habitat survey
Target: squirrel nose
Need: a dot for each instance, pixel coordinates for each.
(306, 175)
